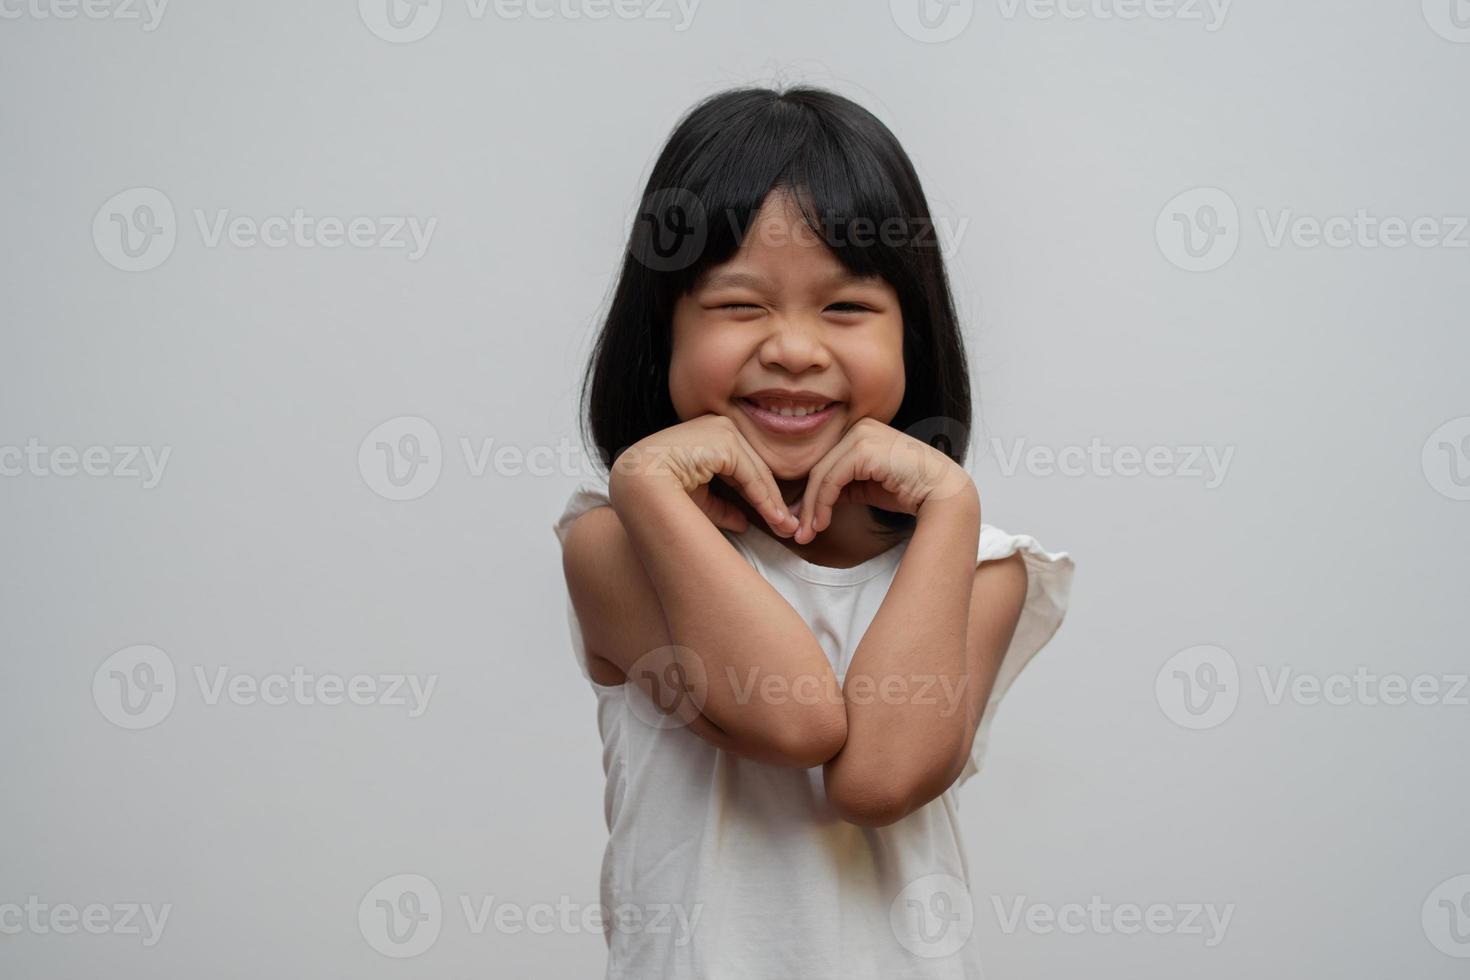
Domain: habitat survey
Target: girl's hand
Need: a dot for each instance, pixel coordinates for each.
(876, 465)
(691, 454)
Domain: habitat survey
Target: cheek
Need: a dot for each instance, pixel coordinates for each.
(701, 376)
(879, 374)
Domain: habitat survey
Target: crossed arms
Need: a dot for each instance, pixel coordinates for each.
(656, 585)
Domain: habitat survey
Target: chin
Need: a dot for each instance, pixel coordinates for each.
(795, 472)
(791, 462)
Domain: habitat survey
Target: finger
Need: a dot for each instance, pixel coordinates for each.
(834, 483)
(786, 521)
(807, 528)
(754, 479)
(807, 503)
(756, 484)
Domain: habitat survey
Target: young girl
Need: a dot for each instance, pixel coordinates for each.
(795, 623)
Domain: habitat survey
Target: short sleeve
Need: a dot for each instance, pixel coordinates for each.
(1048, 587)
(589, 493)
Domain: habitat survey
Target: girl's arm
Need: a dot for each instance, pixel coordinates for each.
(652, 573)
(922, 674)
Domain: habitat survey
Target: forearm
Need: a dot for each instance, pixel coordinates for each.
(910, 707)
(761, 676)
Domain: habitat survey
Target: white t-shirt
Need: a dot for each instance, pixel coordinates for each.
(722, 868)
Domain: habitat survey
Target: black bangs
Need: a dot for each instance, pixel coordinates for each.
(857, 191)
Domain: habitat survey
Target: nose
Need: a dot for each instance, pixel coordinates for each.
(795, 345)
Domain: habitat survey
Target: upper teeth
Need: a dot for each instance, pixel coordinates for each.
(796, 411)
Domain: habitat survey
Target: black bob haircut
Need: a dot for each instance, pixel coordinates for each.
(856, 188)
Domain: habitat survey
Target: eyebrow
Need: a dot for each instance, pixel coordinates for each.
(839, 278)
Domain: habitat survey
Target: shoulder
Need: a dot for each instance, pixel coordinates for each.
(615, 604)
(1006, 557)
(1015, 570)
(1003, 568)
(1001, 581)
(593, 544)
(605, 577)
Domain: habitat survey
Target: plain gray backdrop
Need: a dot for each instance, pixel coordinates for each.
(1132, 189)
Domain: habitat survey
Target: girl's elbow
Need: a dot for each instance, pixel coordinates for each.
(874, 803)
(813, 738)
(880, 797)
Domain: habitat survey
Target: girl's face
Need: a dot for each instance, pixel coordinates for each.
(783, 325)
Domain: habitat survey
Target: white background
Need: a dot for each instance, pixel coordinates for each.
(1334, 541)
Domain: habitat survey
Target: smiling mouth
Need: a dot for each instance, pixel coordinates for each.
(783, 416)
